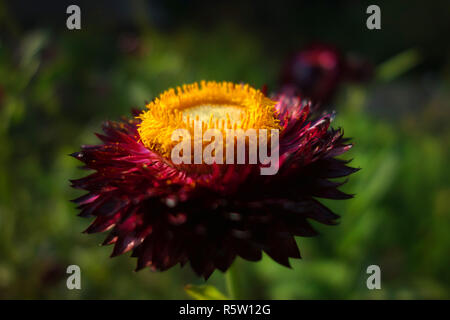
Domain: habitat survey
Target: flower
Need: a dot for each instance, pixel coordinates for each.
(240, 107)
(206, 215)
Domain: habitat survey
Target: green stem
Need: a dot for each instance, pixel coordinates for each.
(232, 282)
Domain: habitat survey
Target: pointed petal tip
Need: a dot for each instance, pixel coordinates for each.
(206, 276)
(76, 155)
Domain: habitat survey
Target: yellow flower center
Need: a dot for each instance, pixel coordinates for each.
(217, 105)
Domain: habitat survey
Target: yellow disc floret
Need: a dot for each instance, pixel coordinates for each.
(217, 105)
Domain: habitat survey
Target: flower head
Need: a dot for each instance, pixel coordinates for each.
(168, 214)
(218, 106)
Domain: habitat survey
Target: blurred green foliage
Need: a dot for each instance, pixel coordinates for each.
(204, 292)
(56, 89)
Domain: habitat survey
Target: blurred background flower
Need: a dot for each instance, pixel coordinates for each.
(317, 71)
(57, 87)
